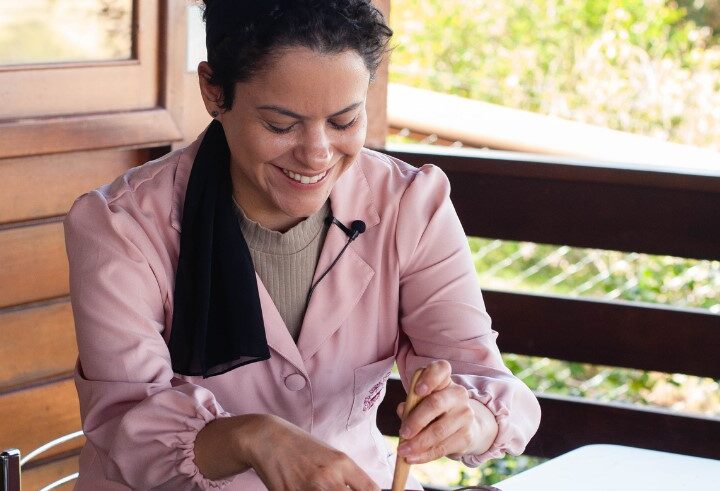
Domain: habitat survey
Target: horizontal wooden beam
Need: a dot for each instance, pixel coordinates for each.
(624, 334)
(35, 415)
(40, 343)
(40, 473)
(582, 204)
(33, 264)
(46, 185)
(482, 124)
(570, 422)
(144, 128)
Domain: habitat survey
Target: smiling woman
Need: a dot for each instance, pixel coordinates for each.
(232, 337)
(295, 128)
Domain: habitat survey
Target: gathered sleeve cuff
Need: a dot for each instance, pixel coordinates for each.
(516, 412)
(151, 445)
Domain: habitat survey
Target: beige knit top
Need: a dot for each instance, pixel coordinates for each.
(286, 262)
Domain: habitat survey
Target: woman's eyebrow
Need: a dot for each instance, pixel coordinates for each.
(291, 114)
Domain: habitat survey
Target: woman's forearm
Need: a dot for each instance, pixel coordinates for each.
(282, 454)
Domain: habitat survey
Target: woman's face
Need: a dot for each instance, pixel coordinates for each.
(293, 130)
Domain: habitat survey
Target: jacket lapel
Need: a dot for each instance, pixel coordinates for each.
(341, 289)
(276, 332)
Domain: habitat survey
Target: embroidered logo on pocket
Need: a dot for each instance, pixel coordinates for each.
(374, 393)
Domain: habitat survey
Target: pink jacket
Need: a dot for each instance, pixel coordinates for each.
(405, 291)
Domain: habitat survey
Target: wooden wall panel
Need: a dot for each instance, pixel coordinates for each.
(34, 416)
(33, 265)
(44, 186)
(42, 344)
(147, 128)
(38, 477)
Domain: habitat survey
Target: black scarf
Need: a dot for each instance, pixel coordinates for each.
(217, 322)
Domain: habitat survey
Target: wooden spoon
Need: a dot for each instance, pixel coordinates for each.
(402, 467)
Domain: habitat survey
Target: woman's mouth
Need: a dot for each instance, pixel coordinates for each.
(302, 179)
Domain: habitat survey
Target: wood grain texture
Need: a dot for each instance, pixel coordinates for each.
(39, 344)
(40, 476)
(33, 264)
(34, 416)
(151, 127)
(44, 186)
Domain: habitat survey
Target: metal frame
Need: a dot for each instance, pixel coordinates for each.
(11, 464)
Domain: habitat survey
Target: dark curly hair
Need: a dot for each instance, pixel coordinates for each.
(243, 35)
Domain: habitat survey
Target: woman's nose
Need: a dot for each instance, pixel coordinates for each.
(315, 150)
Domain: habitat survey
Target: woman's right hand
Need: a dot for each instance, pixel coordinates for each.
(284, 456)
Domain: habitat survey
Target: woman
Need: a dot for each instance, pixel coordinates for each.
(239, 303)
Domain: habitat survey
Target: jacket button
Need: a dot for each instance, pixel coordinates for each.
(295, 381)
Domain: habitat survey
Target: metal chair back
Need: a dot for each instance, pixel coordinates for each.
(11, 465)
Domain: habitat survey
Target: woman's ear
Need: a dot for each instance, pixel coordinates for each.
(212, 94)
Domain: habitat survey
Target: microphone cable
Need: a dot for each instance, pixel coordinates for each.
(356, 228)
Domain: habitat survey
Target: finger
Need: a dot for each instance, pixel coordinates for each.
(432, 407)
(435, 376)
(434, 453)
(452, 428)
(356, 478)
(400, 410)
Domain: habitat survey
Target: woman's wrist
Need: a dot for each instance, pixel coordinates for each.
(227, 446)
(487, 428)
(250, 433)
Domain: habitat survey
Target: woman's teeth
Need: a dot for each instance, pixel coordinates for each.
(303, 179)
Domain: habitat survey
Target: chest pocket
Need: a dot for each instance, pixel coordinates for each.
(369, 389)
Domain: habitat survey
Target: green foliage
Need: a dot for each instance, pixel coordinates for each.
(605, 274)
(643, 66)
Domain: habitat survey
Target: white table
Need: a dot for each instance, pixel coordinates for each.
(614, 467)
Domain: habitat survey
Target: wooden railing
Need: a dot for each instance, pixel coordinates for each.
(606, 206)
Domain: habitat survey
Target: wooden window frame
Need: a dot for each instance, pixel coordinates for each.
(49, 108)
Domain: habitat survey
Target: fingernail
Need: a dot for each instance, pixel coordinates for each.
(421, 389)
(403, 449)
(404, 432)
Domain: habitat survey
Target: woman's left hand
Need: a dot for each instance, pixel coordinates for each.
(446, 421)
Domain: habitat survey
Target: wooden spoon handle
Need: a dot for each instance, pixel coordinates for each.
(402, 468)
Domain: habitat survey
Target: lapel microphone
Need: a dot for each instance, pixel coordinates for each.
(356, 228)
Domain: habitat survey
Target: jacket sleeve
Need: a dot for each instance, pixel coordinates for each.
(141, 420)
(442, 313)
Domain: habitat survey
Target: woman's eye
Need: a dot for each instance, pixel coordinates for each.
(343, 126)
(279, 129)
